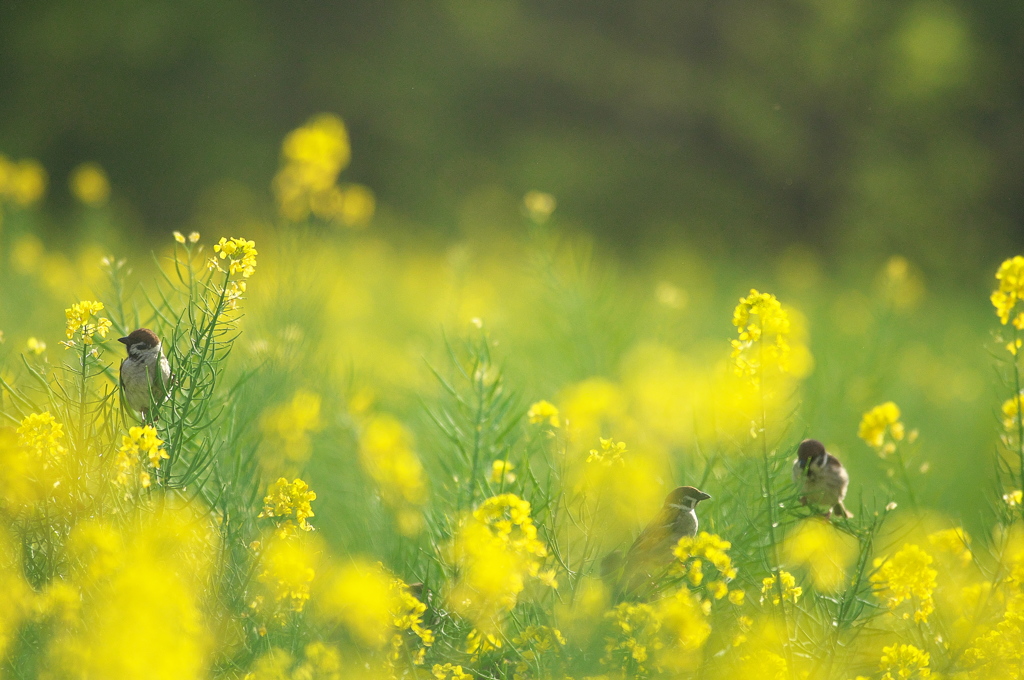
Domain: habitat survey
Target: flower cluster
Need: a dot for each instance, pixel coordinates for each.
(89, 184)
(193, 237)
(779, 588)
(880, 421)
(764, 329)
(1010, 276)
(79, 322)
(901, 662)
(906, 576)
(386, 454)
(610, 453)
(666, 635)
(543, 412)
(21, 182)
(377, 609)
(289, 502)
(449, 672)
(534, 643)
(286, 575)
(140, 446)
(41, 435)
(286, 429)
(493, 553)
(312, 157)
(501, 472)
(692, 552)
(240, 254)
(819, 546)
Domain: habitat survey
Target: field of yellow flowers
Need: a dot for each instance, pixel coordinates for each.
(394, 459)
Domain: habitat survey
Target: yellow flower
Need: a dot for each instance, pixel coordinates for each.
(543, 411)
(79, 317)
(764, 328)
(610, 453)
(901, 662)
(906, 576)
(24, 181)
(790, 590)
(289, 501)
(141, 444)
(494, 551)
(286, 573)
(287, 428)
(312, 156)
(502, 470)
(1014, 498)
(955, 541)
(241, 255)
(1011, 409)
(879, 421)
(322, 662)
(35, 346)
(449, 672)
(178, 236)
(539, 205)
(89, 184)
(376, 607)
(193, 237)
(1010, 291)
(824, 550)
(387, 455)
(40, 434)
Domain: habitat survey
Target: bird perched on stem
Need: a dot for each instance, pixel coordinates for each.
(145, 374)
(821, 478)
(651, 552)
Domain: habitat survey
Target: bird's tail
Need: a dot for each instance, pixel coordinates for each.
(841, 510)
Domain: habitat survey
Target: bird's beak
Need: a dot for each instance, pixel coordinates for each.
(124, 339)
(704, 496)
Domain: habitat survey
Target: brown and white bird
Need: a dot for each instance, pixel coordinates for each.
(145, 374)
(651, 552)
(821, 478)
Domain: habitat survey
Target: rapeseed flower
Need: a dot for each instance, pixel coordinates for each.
(501, 472)
(89, 184)
(79, 322)
(141, 446)
(906, 576)
(386, 454)
(449, 672)
(287, 428)
(493, 553)
(902, 662)
(823, 550)
(240, 254)
(286, 574)
(289, 503)
(1010, 291)
(790, 590)
(22, 182)
(376, 608)
(541, 412)
(35, 346)
(539, 205)
(41, 436)
(764, 329)
(610, 453)
(880, 421)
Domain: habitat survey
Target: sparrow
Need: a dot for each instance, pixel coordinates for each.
(651, 552)
(821, 478)
(145, 373)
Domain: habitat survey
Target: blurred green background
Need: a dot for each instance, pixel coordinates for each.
(857, 128)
